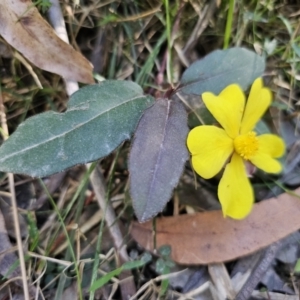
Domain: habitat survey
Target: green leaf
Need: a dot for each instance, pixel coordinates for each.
(157, 157)
(219, 69)
(296, 48)
(98, 119)
(287, 23)
(161, 266)
(105, 279)
(165, 250)
(129, 265)
(297, 266)
(261, 127)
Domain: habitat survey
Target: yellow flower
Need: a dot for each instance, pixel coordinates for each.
(211, 146)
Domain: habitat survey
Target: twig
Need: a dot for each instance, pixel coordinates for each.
(14, 207)
(99, 187)
(53, 184)
(175, 29)
(221, 279)
(29, 68)
(200, 26)
(199, 290)
(259, 270)
(57, 21)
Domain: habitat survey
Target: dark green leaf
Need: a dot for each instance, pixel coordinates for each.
(261, 127)
(146, 257)
(165, 250)
(161, 267)
(157, 157)
(98, 119)
(221, 68)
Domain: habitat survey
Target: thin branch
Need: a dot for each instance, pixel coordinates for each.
(259, 270)
(202, 23)
(14, 206)
(57, 21)
(99, 187)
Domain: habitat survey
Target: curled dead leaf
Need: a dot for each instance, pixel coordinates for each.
(205, 238)
(22, 26)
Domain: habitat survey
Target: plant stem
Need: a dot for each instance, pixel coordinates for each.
(228, 24)
(14, 206)
(67, 237)
(169, 59)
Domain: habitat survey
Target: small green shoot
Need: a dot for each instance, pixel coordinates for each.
(130, 265)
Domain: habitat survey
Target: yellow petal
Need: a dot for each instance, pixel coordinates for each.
(235, 191)
(210, 147)
(271, 144)
(270, 147)
(258, 102)
(227, 108)
(266, 163)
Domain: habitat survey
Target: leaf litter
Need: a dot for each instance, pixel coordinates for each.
(205, 238)
(22, 26)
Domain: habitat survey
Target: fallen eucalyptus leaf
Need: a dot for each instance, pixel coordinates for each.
(22, 26)
(221, 68)
(157, 157)
(205, 238)
(98, 119)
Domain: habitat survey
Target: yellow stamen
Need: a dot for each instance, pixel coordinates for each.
(246, 145)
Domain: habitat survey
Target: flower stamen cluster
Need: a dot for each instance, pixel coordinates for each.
(246, 145)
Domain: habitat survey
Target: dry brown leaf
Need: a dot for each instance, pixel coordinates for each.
(22, 26)
(205, 238)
